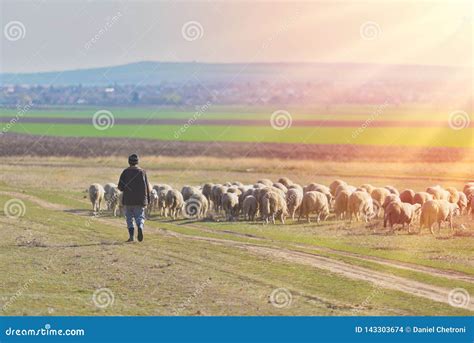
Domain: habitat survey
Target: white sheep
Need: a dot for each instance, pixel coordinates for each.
(153, 204)
(274, 205)
(361, 205)
(108, 193)
(230, 205)
(174, 203)
(196, 206)
(294, 198)
(96, 196)
(249, 207)
(437, 211)
(314, 202)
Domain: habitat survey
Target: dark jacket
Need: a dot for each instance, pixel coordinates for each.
(134, 185)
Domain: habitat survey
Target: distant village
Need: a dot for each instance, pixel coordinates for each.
(245, 93)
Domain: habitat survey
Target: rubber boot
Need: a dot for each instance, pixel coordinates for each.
(130, 233)
(140, 234)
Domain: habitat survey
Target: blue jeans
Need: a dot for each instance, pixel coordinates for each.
(137, 213)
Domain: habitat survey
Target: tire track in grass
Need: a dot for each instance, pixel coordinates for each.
(396, 264)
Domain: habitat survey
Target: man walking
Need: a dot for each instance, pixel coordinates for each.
(136, 195)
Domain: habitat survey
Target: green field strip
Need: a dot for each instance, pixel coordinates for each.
(400, 136)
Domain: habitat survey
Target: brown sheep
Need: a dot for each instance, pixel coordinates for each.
(379, 194)
(407, 196)
(274, 205)
(314, 202)
(341, 204)
(398, 212)
(437, 211)
(389, 199)
(422, 197)
(333, 186)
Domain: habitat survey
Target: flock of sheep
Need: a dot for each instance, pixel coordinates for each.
(268, 201)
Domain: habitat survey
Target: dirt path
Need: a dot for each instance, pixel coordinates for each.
(396, 264)
(379, 279)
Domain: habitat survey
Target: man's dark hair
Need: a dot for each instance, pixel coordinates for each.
(133, 159)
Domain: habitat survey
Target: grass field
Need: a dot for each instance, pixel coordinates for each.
(342, 112)
(402, 136)
(404, 126)
(56, 255)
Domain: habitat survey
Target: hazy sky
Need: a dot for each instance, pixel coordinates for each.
(58, 35)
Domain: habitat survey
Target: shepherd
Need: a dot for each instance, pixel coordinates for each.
(136, 196)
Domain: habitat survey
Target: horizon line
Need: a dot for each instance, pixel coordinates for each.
(242, 63)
